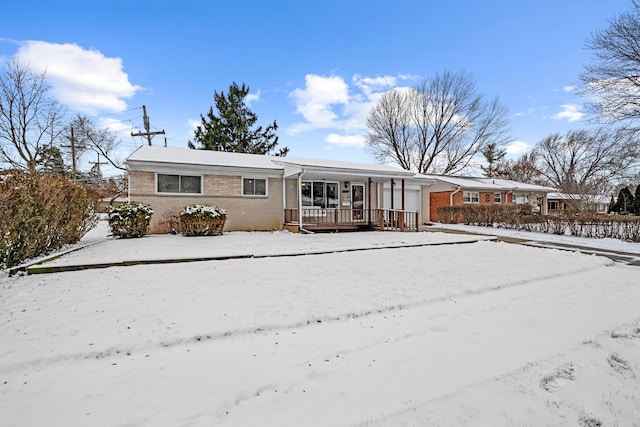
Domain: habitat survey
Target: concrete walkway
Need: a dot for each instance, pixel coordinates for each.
(98, 250)
(631, 256)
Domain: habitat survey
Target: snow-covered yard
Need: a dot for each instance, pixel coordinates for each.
(434, 333)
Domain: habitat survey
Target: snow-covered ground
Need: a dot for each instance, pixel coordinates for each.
(434, 333)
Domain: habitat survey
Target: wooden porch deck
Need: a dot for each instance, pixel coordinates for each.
(328, 220)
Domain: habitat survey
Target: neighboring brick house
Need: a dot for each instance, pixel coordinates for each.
(568, 204)
(458, 191)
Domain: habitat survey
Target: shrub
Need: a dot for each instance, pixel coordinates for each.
(40, 213)
(202, 220)
(129, 220)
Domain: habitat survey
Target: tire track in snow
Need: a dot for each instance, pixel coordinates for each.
(114, 351)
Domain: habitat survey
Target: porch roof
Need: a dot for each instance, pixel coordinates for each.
(335, 168)
(594, 198)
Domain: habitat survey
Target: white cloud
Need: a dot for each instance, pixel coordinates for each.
(252, 97)
(346, 140)
(84, 80)
(569, 89)
(370, 84)
(194, 123)
(315, 102)
(570, 112)
(331, 103)
(118, 126)
(518, 148)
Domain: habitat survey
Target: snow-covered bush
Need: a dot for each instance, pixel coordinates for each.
(129, 220)
(202, 220)
(40, 213)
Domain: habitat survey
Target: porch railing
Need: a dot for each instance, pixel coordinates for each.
(381, 219)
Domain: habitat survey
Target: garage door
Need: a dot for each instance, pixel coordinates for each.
(411, 199)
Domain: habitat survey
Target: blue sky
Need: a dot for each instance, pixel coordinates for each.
(314, 66)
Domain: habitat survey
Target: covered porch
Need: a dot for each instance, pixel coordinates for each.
(327, 196)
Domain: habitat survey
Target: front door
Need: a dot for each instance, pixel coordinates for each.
(357, 202)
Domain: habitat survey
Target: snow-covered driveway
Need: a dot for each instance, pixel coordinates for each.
(405, 336)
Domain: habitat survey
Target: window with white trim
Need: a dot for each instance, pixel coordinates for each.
(320, 194)
(497, 198)
(254, 187)
(521, 198)
(554, 205)
(189, 184)
(470, 197)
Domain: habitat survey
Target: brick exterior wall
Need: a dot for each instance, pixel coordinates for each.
(244, 213)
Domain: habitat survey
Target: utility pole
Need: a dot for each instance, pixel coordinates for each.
(148, 132)
(98, 172)
(72, 145)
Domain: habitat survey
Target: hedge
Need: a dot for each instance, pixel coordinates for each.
(41, 213)
(522, 217)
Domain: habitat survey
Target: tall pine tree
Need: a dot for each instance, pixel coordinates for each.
(624, 204)
(493, 156)
(232, 128)
(636, 201)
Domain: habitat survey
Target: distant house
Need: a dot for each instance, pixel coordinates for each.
(271, 193)
(567, 204)
(458, 191)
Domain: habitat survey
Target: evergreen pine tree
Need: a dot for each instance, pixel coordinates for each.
(612, 205)
(493, 156)
(232, 129)
(624, 204)
(636, 201)
(50, 161)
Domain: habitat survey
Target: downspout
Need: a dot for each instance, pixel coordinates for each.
(451, 195)
(284, 199)
(451, 201)
(300, 229)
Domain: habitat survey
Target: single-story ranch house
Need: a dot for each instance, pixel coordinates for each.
(567, 204)
(271, 193)
(459, 190)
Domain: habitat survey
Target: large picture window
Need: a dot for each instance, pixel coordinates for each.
(320, 194)
(179, 184)
(254, 187)
(471, 197)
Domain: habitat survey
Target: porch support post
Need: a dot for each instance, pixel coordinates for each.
(369, 201)
(402, 193)
(300, 201)
(393, 184)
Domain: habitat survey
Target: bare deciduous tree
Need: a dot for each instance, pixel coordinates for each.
(436, 127)
(90, 137)
(613, 81)
(30, 120)
(524, 169)
(588, 161)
